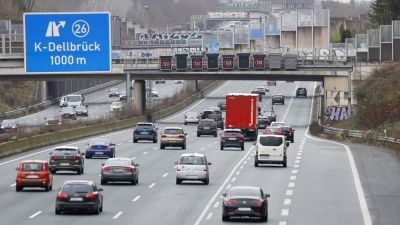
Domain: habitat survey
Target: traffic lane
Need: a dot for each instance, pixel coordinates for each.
(378, 169)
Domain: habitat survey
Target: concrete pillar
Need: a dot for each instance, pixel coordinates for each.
(139, 94)
(43, 91)
(196, 86)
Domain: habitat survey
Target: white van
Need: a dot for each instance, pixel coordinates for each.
(74, 100)
(271, 149)
(63, 102)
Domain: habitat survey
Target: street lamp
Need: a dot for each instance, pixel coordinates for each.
(233, 38)
(147, 18)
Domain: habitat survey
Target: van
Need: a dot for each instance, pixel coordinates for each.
(271, 149)
(63, 101)
(74, 100)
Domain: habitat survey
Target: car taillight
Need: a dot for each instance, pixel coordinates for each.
(257, 202)
(240, 137)
(77, 157)
(129, 169)
(230, 202)
(163, 136)
(181, 136)
(106, 169)
(91, 196)
(62, 195)
(214, 127)
(53, 157)
(200, 126)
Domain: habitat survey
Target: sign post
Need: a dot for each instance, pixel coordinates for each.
(67, 42)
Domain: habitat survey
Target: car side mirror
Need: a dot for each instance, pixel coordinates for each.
(267, 195)
(185, 134)
(176, 163)
(209, 163)
(224, 194)
(17, 169)
(101, 189)
(50, 153)
(112, 144)
(294, 130)
(136, 164)
(102, 164)
(82, 153)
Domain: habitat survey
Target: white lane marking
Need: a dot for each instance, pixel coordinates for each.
(237, 173)
(233, 179)
(118, 215)
(241, 167)
(282, 223)
(215, 142)
(187, 110)
(248, 158)
(209, 216)
(155, 148)
(152, 185)
(229, 186)
(289, 192)
(35, 214)
(136, 198)
(217, 193)
(294, 171)
(357, 183)
(216, 205)
(299, 153)
(298, 157)
(285, 212)
(202, 149)
(296, 165)
(245, 162)
(291, 184)
(290, 103)
(292, 177)
(209, 145)
(297, 161)
(165, 174)
(287, 201)
(119, 144)
(133, 158)
(144, 153)
(12, 185)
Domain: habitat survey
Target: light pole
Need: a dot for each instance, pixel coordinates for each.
(233, 38)
(150, 86)
(147, 18)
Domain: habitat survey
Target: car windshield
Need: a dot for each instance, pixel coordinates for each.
(7, 123)
(214, 116)
(231, 133)
(32, 167)
(71, 189)
(253, 192)
(65, 151)
(116, 104)
(192, 160)
(206, 123)
(271, 141)
(100, 142)
(173, 131)
(73, 98)
(118, 162)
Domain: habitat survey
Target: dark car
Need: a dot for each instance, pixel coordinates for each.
(120, 169)
(205, 113)
(78, 196)
(232, 138)
(68, 113)
(160, 81)
(207, 127)
(66, 158)
(218, 120)
(222, 105)
(301, 92)
(82, 110)
(33, 173)
(263, 122)
(244, 202)
(145, 131)
(100, 148)
(278, 99)
(288, 131)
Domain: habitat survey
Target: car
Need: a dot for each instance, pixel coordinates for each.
(179, 82)
(154, 93)
(193, 167)
(82, 110)
(9, 126)
(120, 169)
(122, 96)
(100, 148)
(265, 86)
(277, 124)
(78, 196)
(160, 81)
(222, 105)
(66, 158)
(33, 173)
(263, 122)
(271, 116)
(232, 138)
(273, 130)
(259, 90)
(245, 202)
(205, 113)
(301, 92)
(288, 131)
(216, 110)
(173, 137)
(113, 92)
(218, 120)
(116, 106)
(63, 101)
(145, 131)
(52, 120)
(191, 117)
(271, 82)
(207, 127)
(270, 149)
(68, 112)
(278, 98)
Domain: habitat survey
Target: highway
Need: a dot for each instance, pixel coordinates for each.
(319, 185)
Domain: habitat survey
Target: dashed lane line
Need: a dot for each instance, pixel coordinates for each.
(35, 214)
(118, 215)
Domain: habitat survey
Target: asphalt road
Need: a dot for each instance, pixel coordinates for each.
(318, 186)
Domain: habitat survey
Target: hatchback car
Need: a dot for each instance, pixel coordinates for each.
(68, 113)
(301, 92)
(66, 158)
(232, 138)
(277, 124)
(82, 110)
(244, 202)
(34, 173)
(191, 117)
(270, 149)
(173, 137)
(179, 81)
(273, 130)
(120, 169)
(218, 120)
(193, 167)
(52, 120)
(207, 127)
(9, 125)
(78, 196)
(116, 106)
(100, 148)
(145, 131)
(278, 99)
(222, 105)
(113, 92)
(288, 131)
(205, 113)
(263, 122)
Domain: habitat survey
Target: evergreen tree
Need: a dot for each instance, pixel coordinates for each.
(384, 11)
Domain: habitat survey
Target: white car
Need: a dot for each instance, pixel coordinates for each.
(192, 167)
(277, 124)
(115, 106)
(179, 82)
(154, 93)
(270, 149)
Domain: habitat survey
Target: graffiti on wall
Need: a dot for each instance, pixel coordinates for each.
(337, 98)
(169, 36)
(338, 113)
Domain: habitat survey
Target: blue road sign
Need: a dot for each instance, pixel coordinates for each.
(67, 42)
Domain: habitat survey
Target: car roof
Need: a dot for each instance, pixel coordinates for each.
(193, 154)
(246, 187)
(208, 120)
(120, 158)
(236, 130)
(144, 123)
(89, 182)
(67, 146)
(173, 128)
(33, 161)
(270, 135)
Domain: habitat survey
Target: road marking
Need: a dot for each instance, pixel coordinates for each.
(133, 158)
(155, 148)
(289, 192)
(298, 157)
(233, 179)
(241, 167)
(165, 174)
(248, 158)
(117, 215)
(245, 162)
(209, 216)
(296, 165)
(136, 198)
(297, 161)
(287, 201)
(202, 149)
(299, 153)
(292, 177)
(119, 144)
(12, 185)
(282, 223)
(285, 212)
(34, 215)
(152, 185)
(229, 186)
(216, 205)
(291, 184)
(215, 142)
(357, 183)
(217, 193)
(144, 153)
(237, 173)
(294, 171)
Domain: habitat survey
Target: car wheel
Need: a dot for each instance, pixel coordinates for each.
(103, 182)
(222, 147)
(47, 189)
(225, 218)
(264, 218)
(256, 162)
(155, 140)
(79, 171)
(87, 157)
(215, 134)
(184, 146)
(162, 147)
(242, 147)
(292, 141)
(51, 186)
(198, 135)
(137, 180)
(184, 123)
(134, 141)
(207, 181)
(101, 207)
(283, 102)
(18, 188)
(97, 211)
(284, 161)
(178, 181)
(58, 211)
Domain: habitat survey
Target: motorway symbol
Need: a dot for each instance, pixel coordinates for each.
(67, 42)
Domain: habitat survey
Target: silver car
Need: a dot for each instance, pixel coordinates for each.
(120, 169)
(192, 117)
(193, 167)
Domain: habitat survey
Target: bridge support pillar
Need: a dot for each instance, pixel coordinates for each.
(43, 91)
(337, 98)
(196, 85)
(139, 99)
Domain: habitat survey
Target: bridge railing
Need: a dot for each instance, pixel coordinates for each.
(11, 43)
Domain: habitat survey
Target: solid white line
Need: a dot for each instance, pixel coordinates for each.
(152, 185)
(144, 153)
(241, 167)
(117, 215)
(165, 174)
(282, 223)
(233, 179)
(285, 212)
(217, 193)
(136, 198)
(290, 103)
(292, 177)
(357, 183)
(33, 216)
(245, 162)
(291, 184)
(287, 201)
(289, 192)
(12, 185)
(209, 216)
(180, 114)
(216, 205)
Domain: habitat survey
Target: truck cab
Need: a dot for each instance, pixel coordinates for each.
(74, 100)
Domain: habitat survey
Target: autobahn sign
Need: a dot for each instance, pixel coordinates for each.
(67, 42)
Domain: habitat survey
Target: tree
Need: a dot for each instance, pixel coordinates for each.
(384, 11)
(344, 33)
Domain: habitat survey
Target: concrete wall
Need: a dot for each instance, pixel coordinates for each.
(272, 41)
(288, 39)
(304, 34)
(321, 39)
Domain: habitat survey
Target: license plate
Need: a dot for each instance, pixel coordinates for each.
(244, 209)
(144, 133)
(207, 128)
(232, 139)
(99, 153)
(172, 141)
(32, 176)
(75, 199)
(192, 177)
(118, 170)
(64, 164)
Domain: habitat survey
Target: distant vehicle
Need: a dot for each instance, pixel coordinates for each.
(288, 131)
(145, 131)
(278, 98)
(120, 169)
(271, 149)
(113, 92)
(216, 110)
(218, 120)
(160, 81)
(232, 138)
(78, 195)
(82, 110)
(191, 117)
(115, 106)
(66, 158)
(9, 126)
(33, 173)
(265, 86)
(68, 113)
(100, 148)
(122, 95)
(222, 105)
(205, 113)
(301, 92)
(273, 130)
(53, 120)
(207, 127)
(179, 82)
(63, 101)
(193, 167)
(72, 100)
(154, 93)
(271, 82)
(245, 201)
(242, 113)
(259, 90)
(173, 137)
(263, 122)
(277, 124)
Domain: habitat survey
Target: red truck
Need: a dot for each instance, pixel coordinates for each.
(242, 113)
